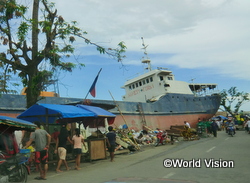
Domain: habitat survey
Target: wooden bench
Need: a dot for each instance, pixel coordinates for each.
(186, 133)
(177, 127)
(174, 134)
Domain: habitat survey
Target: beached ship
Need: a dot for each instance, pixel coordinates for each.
(154, 99)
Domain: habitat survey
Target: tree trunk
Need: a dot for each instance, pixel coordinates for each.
(32, 90)
(35, 30)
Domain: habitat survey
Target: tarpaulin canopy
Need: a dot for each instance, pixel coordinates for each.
(97, 110)
(219, 117)
(49, 113)
(101, 114)
(18, 124)
(222, 117)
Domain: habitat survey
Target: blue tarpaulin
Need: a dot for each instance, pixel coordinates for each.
(97, 110)
(51, 112)
(101, 114)
(219, 117)
(17, 123)
(222, 117)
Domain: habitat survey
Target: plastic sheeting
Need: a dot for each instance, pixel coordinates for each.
(52, 112)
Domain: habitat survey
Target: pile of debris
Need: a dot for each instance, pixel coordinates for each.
(134, 140)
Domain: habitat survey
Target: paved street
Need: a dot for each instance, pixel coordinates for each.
(221, 159)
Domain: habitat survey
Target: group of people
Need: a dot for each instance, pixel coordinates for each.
(42, 139)
(217, 125)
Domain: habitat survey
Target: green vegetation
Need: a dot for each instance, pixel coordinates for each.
(232, 100)
(35, 48)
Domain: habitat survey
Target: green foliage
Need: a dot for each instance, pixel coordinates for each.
(120, 51)
(27, 55)
(5, 81)
(22, 31)
(232, 100)
(10, 9)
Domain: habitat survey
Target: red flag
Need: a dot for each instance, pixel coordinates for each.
(92, 88)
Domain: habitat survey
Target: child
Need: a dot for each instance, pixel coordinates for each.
(78, 141)
(61, 142)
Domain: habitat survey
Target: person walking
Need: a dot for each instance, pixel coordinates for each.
(111, 137)
(214, 128)
(42, 141)
(61, 142)
(78, 140)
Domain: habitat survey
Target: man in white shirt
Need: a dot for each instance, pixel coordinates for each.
(187, 124)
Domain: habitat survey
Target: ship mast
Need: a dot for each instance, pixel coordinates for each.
(146, 59)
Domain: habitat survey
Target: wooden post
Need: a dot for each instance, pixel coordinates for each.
(137, 146)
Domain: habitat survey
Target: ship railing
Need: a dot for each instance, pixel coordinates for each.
(206, 93)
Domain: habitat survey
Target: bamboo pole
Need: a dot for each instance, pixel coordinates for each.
(148, 128)
(137, 146)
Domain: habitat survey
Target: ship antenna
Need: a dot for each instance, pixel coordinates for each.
(146, 59)
(192, 80)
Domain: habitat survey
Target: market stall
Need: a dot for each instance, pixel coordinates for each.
(51, 115)
(97, 146)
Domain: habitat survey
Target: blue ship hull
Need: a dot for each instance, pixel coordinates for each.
(171, 109)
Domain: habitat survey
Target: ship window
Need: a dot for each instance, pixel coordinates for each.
(144, 82)
(133, 86)
(170, 78)
(136, 85)
(166, 85)
(151, 79)
(140, 83)
(130, 87)
(161, 78)
(147, 80)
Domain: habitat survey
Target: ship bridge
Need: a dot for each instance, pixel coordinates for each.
(153, 85)
(203, 88)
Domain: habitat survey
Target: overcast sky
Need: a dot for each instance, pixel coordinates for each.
(204, 40)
